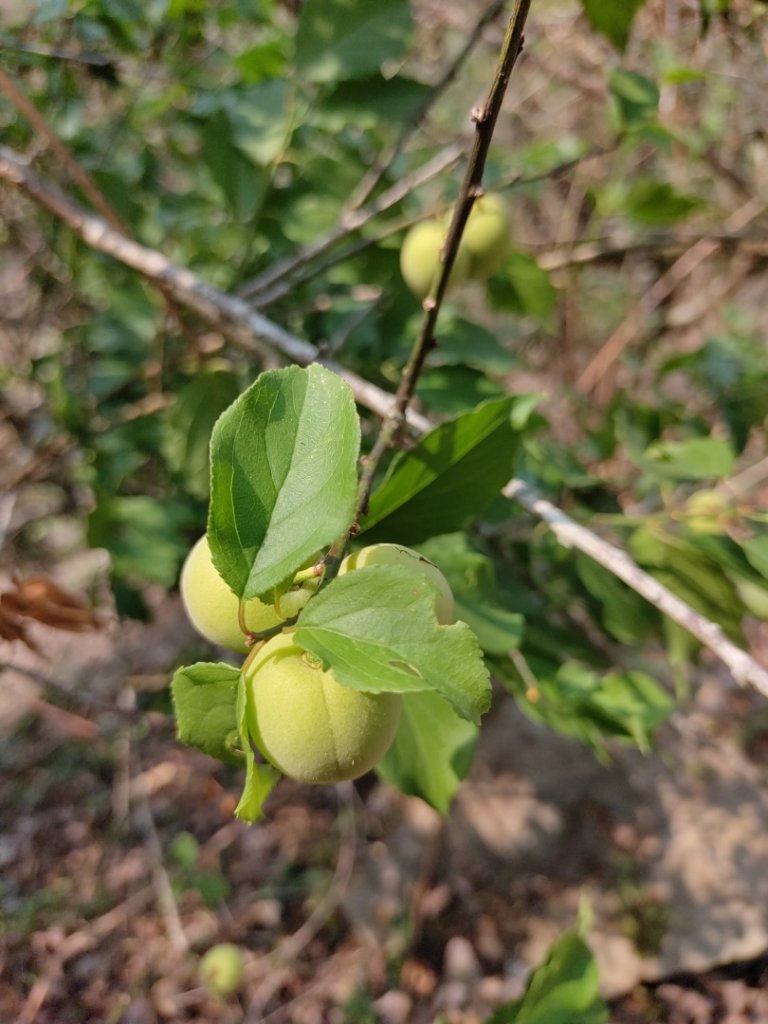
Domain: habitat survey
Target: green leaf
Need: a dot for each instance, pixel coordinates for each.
(522, 286)
(698, 458)
(451, 475)
(637, 97)
(658, 203)
(463, 343)
(146, 538)
(376, 630)
(243, 184)
(338, 40)
(370, 101)
(756, 551)
(453, 390)
(188, 425)
(613, 18)
(626, 615)
(479, 600)
(565, 989)
(260, 778)
(205, 702)
(693, 575)
(284, 476)
(432, 751)
(578, 702)
(261, 120)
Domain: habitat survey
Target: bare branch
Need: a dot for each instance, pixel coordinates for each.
(571, 534)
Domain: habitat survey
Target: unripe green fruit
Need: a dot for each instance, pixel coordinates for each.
(396, 554)
(486, 236)
(213, 608)
(221, 969)
(420, 258)
(307, 724)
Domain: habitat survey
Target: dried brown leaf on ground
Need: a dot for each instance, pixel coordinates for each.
(38, 597)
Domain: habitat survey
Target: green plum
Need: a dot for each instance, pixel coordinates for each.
(307, 724)
(222, 968)
(212, 607)
(486, 236)
(420, 258)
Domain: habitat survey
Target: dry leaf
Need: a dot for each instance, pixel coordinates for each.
(39, 598)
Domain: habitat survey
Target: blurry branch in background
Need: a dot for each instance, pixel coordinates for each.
(373, 178)
(251, 331)
(77, 172)
(312, 269)
(612, 250)
(258, 290)
(634, 322)
(571, 534)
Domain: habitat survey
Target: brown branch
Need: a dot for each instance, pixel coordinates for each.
(79, 174)
(471, 189)
(372, 179)
(247, 329)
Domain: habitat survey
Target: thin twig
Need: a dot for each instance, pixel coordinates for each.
(561, 257)
(287, 951)
(471, 189)
(744, 668)
(77, 172)
(638, 316)
(142, 811)
(394, 227)
(350, 221)
(227, 311)
(374, 176)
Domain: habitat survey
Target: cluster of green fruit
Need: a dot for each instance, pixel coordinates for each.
(305, 723)
(483, 249)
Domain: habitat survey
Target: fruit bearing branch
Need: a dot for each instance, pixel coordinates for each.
(471, 189)
(251, 332)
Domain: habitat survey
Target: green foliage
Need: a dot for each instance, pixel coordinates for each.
(450, 476)
(205, 704)
(562, 990)
(613, 18)
(377, 629)
(432, 751)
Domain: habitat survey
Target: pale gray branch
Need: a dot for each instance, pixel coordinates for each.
(744, 668)
(250, 329)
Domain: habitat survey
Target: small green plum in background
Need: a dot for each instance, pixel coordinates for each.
(212, 607)
(486, 236)
(420, 258)
(222, 968)
(307, 724)
(396, 554)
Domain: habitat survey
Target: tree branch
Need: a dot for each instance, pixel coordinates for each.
(471, 188)
(252, 329)
(258, 290)
(744, 668)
